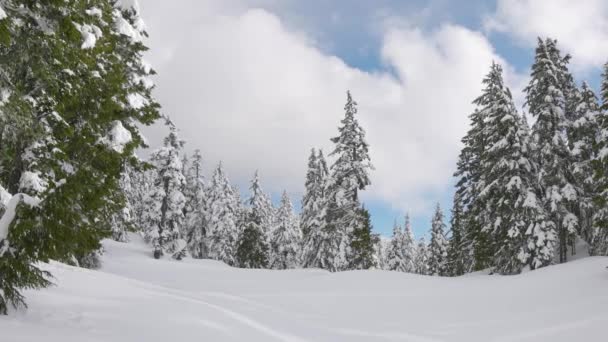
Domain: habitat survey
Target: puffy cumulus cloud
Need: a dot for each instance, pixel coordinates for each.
(247, 90)
(417, 139)
(581, 26)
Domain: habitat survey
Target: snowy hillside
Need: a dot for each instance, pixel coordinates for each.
(137, 298)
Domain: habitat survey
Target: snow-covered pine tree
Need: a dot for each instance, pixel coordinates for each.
(319, 246)
(165, 214)
(395, 259)
(252, 247)
(409, 246)
(584, 129)
(362, 243)
(312, 192)
(123, 221)
(142, 179)
(438, 248)
(286, 237)
(70, 70)
(224, 213)
(349, 175)
(422, 257)
(457, 258)
(469, 181)
(546, 100)
(261, 203)
(599, 241)
(196, 203)
(512, 213)
(380, 253)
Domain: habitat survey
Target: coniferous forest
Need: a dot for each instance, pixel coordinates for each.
(531, 182)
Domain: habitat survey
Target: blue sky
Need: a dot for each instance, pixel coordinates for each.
(257, 83)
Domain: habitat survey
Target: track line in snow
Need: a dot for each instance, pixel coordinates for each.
(397, 335)
(236, 316)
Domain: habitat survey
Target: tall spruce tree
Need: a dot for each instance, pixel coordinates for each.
(123, 221)
(141, 176)
(395, 259)
(224, 214)
(409, 246)
(469, 182)
(252, 248)
(457, 258)
(310, 199)
(349, 175)
(362, 243)
(584, 129)
(546, 98)
(422, 257)
(438, 247)
(71, 72)
(319, 245)
(196, 217)
(599, 239)
(511, 212)
(164, 216)
(286, 237)
(380, 253)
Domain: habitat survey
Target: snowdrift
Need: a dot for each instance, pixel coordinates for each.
(136, 298)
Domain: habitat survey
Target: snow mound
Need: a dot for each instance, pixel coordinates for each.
(137, 298)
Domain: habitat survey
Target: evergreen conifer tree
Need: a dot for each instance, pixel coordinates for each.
(469, 182)
(362, 243)
(349, 175)
(311, 199)
(196, 201)
(286, 237)
(457, 258)
(511, 210)
(75, 89)
(422, 257)
(409, 246)
(395, 259)
(123, 221)
(438, 247)
(599, 238)
(165, 214)
(546, 98)
(583, 133)
(223, 216)
(253, 249)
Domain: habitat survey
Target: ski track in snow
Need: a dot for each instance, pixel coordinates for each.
(160, 291)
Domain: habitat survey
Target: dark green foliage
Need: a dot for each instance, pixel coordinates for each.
(362, 243)
(252, 249)
(457, 258)
(64, 103)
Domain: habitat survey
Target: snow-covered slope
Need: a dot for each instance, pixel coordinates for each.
(137, 298)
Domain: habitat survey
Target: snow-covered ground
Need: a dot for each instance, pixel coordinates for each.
(137, 298)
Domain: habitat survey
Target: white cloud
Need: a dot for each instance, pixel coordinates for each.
(257, 95)
(580, 26)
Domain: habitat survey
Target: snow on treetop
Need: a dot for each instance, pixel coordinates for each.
(94, 12)
(90, 34)
(2, 13)
(125, 28)
(33, 182)
(118, 137)
(137, 101)
(128, 4)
